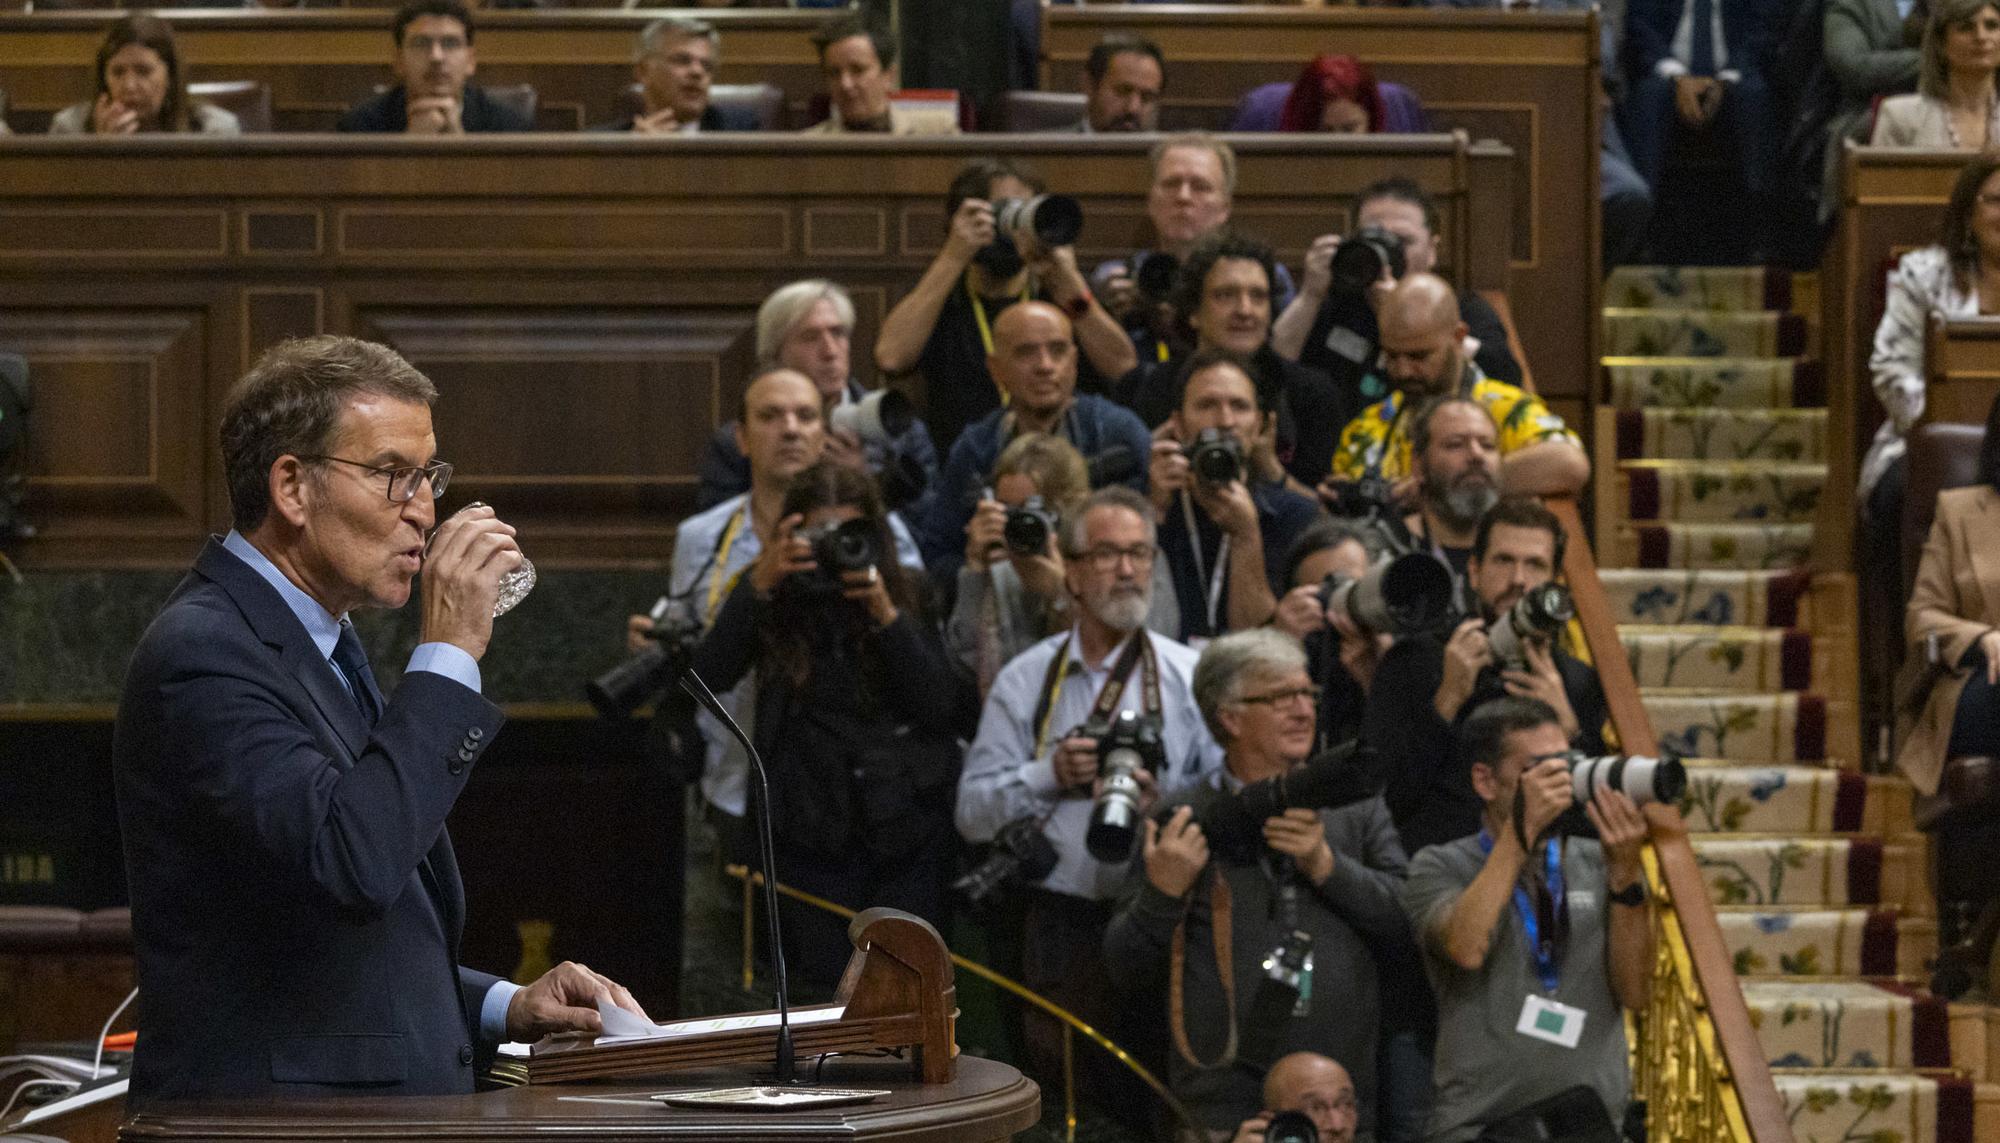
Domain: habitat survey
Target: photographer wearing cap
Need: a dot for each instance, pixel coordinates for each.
(858, 713)
(945, 327)
(1031, 769)
(1310, 1085)
(1221, 299)
(1223, 531)
(1534, 944)
(808, 326)
(1010, 587)
(1427, 683)
(1259, 912)
(1332, 325)
(1342, 657)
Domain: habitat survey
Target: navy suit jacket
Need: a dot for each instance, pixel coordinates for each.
(1746, 34)
(296, 907)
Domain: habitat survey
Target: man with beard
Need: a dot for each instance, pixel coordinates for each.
(435, 60)
(1455, 471)
(1028, 762)
(1423, 356)
(1123, 78)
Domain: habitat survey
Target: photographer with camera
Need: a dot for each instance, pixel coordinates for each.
(1006, 241)
(808, 326)
(1029, 776)
(1260, 897)
(1332, 324)
(1534, 943)
(1423, 356)
(1034, 363)
(1010, 588)
(1308, 1098)
(858, 713)
(1513, 645)
(1221, 299)
(1340, 655)
(1223, 530)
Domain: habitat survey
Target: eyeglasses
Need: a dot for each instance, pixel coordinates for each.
(1106, 558)
(403, 481)
(1309, 692)
(423, 44)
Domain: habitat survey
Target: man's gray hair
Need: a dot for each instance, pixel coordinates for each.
(788, 306)
(671, 28)
(1199, 141)
(1227, 662)
(1074, 536)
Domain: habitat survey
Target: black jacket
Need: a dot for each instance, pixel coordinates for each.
(1349, 355)
(388, 113)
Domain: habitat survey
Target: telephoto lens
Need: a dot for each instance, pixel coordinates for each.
(879, 418)
(1052, 219)
(1028, 528)
(1126, 745)
(1154, 276)
(1362, 256)
(1216, 457)
(1291, 1127)
(1644, 780)
(1400, 595)
(1537, 617)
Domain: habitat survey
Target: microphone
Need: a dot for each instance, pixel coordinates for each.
(783, 1071)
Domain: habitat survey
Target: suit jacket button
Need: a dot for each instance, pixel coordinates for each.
(475, 734)
(466, 755)
(456, 768)
(465, 1054)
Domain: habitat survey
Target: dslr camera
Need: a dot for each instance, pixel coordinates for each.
(1291, 1127)
(1021, 854)
(878, 418)
(647, 671)
(1537, 617)
(1215, 457)
(1362, 256)
(1154, 276)
(1127, 743)
(1399, 595)
(839, 547)
(1336, 777)
(1644, 780)
(1029, 527)
(1052, 220)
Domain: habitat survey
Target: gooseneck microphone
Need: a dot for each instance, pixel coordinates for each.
(784, 1070)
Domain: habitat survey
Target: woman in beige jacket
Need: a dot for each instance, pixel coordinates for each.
(1956, 603)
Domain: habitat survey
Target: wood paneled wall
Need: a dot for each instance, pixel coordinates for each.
(585, 303)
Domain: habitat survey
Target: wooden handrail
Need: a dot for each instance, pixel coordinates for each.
(1742, 1052)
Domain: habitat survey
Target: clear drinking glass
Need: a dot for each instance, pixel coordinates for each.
(514, 585)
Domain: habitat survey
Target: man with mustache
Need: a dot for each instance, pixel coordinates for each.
(1123, 78)
(435, 61)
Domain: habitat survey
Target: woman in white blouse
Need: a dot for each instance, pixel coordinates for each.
(1956, 105)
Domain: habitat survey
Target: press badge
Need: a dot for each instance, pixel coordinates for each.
(1349, 344)
(1550, 1020)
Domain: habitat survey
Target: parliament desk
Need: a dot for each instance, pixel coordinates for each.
(1961, 370)
(1527, 80)
(987, 1102)
(319, 62)
(585, 303)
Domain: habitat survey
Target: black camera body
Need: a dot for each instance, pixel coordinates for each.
(839, 547)
(1369, 496)
(647, 671)
(1126, 743)
(1154, 275)
(1021, 854)
(1215, 457)
(1029, 527)
(1399, 595)
(1291, 1127)
(1361, 257)
(1537, 617)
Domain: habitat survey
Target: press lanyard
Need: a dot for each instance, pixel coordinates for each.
(720, 582)
(1138, 647)
(986, 327)
(1214, 600)
(1541, 945)
(1160, 350)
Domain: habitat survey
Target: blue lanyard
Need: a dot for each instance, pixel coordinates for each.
(1547, 969)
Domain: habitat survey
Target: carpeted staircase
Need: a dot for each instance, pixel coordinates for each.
(1709, 467)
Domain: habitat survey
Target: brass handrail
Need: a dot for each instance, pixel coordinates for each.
(1071, 1023)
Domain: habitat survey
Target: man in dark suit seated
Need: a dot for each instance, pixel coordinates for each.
(434, 60)
(1122, 80)
(296, 906)
(675, 65)
(1703, 63)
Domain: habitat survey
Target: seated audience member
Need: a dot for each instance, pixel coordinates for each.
(1194, 179)
(1955, 105)
(1010, 595)
(435, 60)
(1334, 94)
(1223, 539)
(858, 716)
(1871, 52)
(140, 88)
(1953, 669)
(1423, 355)
(1310, 1083)
(674, 65)
(1029, 762)
(1684, 76)
(1428, 683)
(943, 328)
(1341, 657)
(859, 65)
(1529, 1012)
(1221, 299)
(809, 326)
(1223, 902)
(1034, 363)
(1957, 278)
(1337, 332)
(1123, 78)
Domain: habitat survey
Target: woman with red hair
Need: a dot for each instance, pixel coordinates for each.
(1336, 94)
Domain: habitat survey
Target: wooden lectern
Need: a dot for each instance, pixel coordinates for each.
(897, 995)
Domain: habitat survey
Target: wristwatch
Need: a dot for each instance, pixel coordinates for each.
(1078, 305)
(1632, 896)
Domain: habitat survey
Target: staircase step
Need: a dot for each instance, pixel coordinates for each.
(1803, 869)
(1848, 1024)
(1881, 1107)
(1827, 942)
(1719, 658)
(1773, 728)
(1720, 492)
(1749, 547)
(1714, 382)
(1722, 434)
(1719, 596)
(1734, 798)
(1699, 288)
(1699, 333)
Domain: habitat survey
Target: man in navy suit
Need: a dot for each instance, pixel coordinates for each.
(675, 66)
(295, 903)
(1704, 63)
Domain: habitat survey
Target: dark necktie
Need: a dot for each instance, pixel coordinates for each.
(353, 664)
(1701, 38)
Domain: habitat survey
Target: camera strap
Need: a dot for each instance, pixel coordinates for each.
(985, 326)
(1138, 648)
(1221, 913)
(1212, 598)
(1544, 912)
